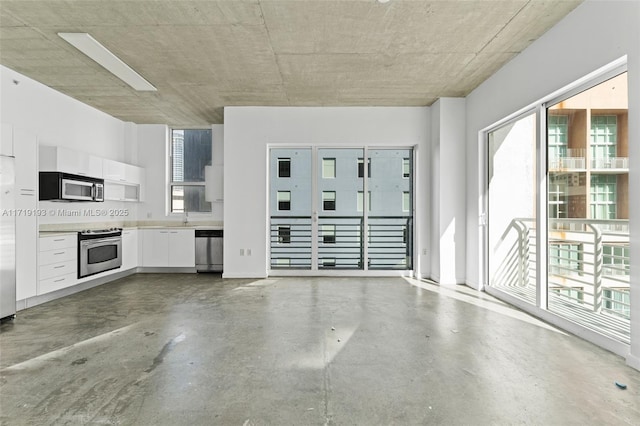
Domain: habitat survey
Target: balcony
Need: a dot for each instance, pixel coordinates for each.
(610, 163)
(588, 273)
(573, 160)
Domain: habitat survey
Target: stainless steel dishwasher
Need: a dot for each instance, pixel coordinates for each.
(209, 250)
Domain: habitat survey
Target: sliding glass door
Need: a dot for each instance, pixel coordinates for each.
(341, 209)
(572, 259)
(512, 207)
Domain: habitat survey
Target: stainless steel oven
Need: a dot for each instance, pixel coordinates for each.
(99, 251)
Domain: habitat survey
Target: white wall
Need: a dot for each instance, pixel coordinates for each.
(249, 130)
(593, 35)
(59, 120)
(448, 171)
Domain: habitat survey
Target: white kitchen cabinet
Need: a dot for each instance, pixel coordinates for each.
(60, 159)
(123, 182)
(168, 248)
(113, 170)
(26, 179)
(129, 249)
(155, 248)
(58, 262)
(182, 248)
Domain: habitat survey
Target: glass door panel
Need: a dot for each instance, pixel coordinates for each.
(390, 209)
(512, 208)
(290, 208)
(588, 229)
(340, 213)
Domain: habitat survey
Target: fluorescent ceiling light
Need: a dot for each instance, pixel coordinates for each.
(103, 56)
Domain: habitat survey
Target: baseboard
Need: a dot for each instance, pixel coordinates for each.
(633, 361)
(235, 275)
(166, 270)
(47, 297)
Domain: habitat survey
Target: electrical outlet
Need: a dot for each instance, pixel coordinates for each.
(241, 252)
(148, 215)
(424, 252)
(248, 252)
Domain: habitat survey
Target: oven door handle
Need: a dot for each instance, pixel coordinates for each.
(101, 242)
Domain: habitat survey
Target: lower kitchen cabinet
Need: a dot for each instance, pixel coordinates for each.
(168, 248)
(129, 249)
(58, 262)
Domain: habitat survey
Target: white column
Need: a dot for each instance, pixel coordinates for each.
(448, 162)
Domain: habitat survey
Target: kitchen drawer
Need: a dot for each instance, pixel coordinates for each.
(58, 269)
(57, 283)
(56, 256)
(58, 242)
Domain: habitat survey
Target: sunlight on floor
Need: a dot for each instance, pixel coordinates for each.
(468, 295)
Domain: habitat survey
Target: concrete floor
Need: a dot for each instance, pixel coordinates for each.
(165, 349)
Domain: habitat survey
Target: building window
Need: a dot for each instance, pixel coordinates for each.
(557, 196)
(328, 200)
(360, 201)
(604, 139)
(565, 259)
(283, 262)
(329, 234)
(329, 262)
(284, 200)
(328, 168)
(615, 259)
(284, 234)
(557, 138)
(191, 151)
(406, 168)
(574, 293)
(406, 202)
(603, 196)
(284, 167)
(361, 167)
(617, 300)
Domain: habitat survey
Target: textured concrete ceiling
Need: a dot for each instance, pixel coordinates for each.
(204, 55)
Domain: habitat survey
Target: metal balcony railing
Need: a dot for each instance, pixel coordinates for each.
(588, 277)
(567, 163)
(587, 270)
(341, 242)
(610, 163)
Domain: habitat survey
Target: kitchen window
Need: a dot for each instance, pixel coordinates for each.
(191, 152)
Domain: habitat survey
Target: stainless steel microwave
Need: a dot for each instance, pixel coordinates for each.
(58, 186)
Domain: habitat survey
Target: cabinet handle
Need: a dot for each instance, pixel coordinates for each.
(61, 266)
(164, 232)
(62, 252)
(59, 239)
(61, 279)
(31, 195)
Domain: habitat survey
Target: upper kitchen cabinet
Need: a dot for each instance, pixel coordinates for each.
(59, 159)
(123, 182)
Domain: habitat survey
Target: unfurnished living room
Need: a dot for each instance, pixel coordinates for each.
(301, 212)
